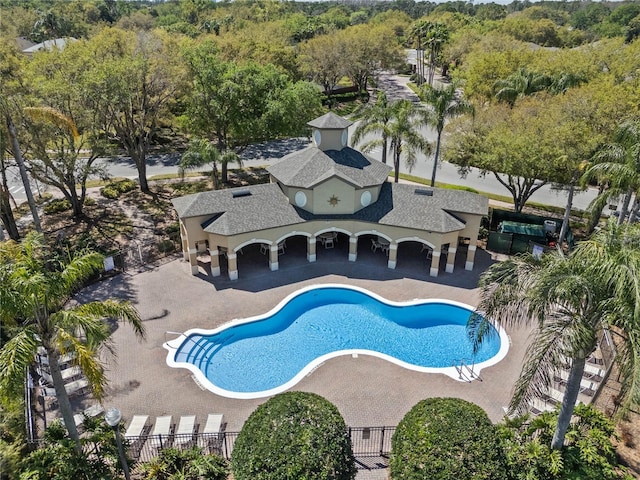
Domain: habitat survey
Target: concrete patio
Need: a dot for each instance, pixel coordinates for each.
(368, 391)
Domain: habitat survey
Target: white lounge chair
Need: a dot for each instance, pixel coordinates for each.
(67, 374)
(76, 387)
(160, 435)
(185, 431)
(211, 433)
(137, 426)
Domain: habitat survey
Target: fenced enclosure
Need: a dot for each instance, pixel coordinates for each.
(371, 445)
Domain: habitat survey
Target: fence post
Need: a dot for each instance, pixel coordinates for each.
(226, 448)
(382, 442)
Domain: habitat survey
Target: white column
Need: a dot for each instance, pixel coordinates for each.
(215, 262)
(451, 259)
(393, 255)
(232, 262)
(353, 249)
(470, 257)
(193, 261)
(435, 263)
(273, 257)
(311, 249)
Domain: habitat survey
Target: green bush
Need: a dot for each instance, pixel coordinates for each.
(446, 438)
(113, 190)
(190, 464)
(588, 452)
(56, 206)
(294, 435)
(166, 246)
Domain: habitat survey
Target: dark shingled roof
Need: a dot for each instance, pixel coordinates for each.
(265, 207)
(330, 121)
(398, 205)
(311, 166)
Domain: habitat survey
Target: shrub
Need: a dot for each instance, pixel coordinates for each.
(166, 246)
(294, 435)
(189, 464)
(56, 206)
(446, 438)
(113, 190)
(588, 451)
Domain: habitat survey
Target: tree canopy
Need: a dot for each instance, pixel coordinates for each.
(294, 435)
(446, 438)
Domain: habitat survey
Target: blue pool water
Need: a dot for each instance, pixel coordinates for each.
(264, 354)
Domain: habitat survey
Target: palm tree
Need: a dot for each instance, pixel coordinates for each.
(570, 299)
(418, 32)
(520, 84)
(201, 152)
(437, 36)
(442, 104)
(618, 166)
(406, 140)
(374, 119)
(36, 287)
(229, 156)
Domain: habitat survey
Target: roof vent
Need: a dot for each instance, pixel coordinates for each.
(423, 191)
(241, 193)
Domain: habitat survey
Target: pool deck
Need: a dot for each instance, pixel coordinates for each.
(368, 391)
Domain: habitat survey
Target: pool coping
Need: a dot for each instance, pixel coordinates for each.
(461, 373)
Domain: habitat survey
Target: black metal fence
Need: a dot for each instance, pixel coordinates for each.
(371, 445)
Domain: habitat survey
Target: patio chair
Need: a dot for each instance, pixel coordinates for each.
(135, 432)
(375, 245)
(137, 426)
(185, 431)
(264, 249)
(328, 242)
(281, 247)
(161, 434)
(211, 437)
(76, 387)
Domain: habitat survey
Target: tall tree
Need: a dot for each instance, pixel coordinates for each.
(437, 36)
(13, 91)
(374, 119)
(569, 299)
(617, 167)
(239, 104)
(6, 213)
(513, 144)
(36, 288)
(132, 80)
(405, 138)
(441, 105)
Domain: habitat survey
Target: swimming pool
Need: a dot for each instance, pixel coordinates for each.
(265, 355)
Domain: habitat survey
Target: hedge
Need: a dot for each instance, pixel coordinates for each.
(446, 438)
(294, 435)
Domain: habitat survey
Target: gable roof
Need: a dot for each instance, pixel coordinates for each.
(311, 166)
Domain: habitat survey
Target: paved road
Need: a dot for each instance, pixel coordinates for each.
(268, 152)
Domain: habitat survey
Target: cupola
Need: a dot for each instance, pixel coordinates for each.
(330, 131)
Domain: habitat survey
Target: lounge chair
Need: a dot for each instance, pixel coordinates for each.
(211, 434)
(137, 426)
(185, 431)
(67, 374)
(135, 432)
(161, 433)
(76, 387)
